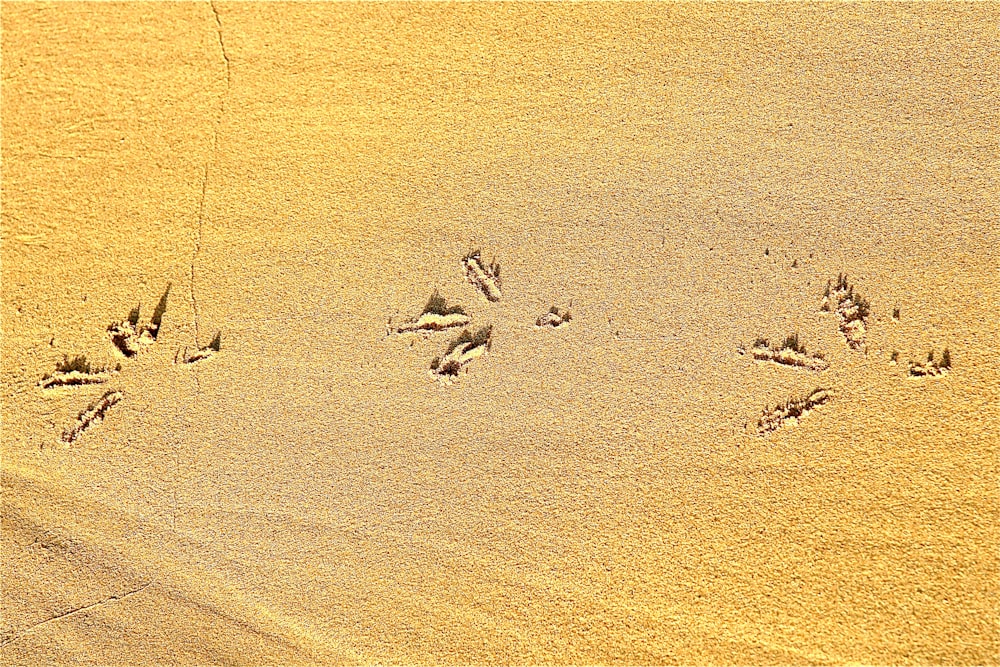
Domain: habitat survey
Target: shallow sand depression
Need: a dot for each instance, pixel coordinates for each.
(344, 441)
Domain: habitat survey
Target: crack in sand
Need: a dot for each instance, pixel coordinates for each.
(210, 162)
(222, 43)
(213, 157)
(78, 610)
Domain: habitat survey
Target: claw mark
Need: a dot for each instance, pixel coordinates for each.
(123, 337)
(433, 322)
(485, 278)
(555, 318)
(91, 416)
(462, 351)
(128, 336)
(200, 354)
(436, 316)
(852, 308)
(932, 367)
(789, 353)
(774, 418)
(78, 610)
(76, 372)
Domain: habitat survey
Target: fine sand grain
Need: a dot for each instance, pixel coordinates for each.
(220, 222)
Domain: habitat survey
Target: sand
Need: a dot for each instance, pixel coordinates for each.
(681, 179)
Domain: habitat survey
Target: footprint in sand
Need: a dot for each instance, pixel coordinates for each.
(201, 354)
(790, 353)
(437, 315)
(853, 311)
(773, 418)
(77, 372)
(932, 367)
(555, 318)
(851, 307)
(484, 277)
(129, 339)
(462, 351)
(92, 415)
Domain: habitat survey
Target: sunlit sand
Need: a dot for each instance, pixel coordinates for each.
(709, 372)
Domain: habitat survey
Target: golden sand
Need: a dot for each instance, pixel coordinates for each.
(685, 179)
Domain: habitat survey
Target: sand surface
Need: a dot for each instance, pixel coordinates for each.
(682, 179)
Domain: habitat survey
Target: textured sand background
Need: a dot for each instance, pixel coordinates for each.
(300, 174)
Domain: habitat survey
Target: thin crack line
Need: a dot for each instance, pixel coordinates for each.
(78, 610)
(205, 172)
(197, 246)
(222, 44)
(196, 252)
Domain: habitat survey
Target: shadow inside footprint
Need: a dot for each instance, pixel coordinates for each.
(157, 318)
(438, 305)
(792, 409)
(482, 337)
(123, 336)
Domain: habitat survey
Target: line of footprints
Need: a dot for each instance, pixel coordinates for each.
(129, 340)
(853, 311)
(438, 316)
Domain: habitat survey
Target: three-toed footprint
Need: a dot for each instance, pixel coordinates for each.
(129, 339)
